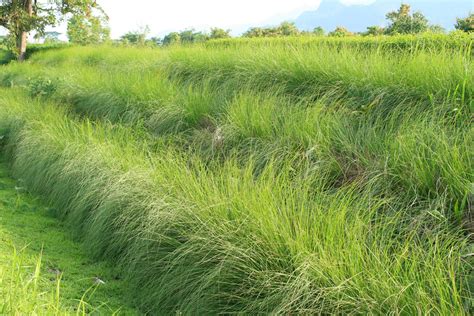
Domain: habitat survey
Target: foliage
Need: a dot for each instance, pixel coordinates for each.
(136, 37)
(191, 36)
(318, 31)
(288, 29)
(438, 29)
(172, 38)
(218, 33)
(402, 22)
(299, 175)
(466, 24)
(51, 37)
(86, 29)
(21, 17)
(42, 271)
(284, 29)
(340, 31)
(41, 87)
(375, 30)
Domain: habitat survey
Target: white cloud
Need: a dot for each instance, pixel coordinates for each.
(165, 16)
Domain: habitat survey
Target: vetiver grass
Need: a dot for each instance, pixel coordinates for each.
(42, 271)
(238, 242)
(288, 196)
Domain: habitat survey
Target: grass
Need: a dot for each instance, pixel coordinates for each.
(267, 180)
(42, 271)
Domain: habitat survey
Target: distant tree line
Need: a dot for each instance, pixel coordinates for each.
(402, 21)
(188, 36)
(89, 25)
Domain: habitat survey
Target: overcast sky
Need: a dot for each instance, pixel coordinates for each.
(175, 15)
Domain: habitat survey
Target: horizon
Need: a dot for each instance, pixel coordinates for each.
(204, 15)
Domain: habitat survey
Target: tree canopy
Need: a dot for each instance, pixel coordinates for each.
(466, 24)
(284, 29)
(340, 31)
(403, 22)
(20, 17)
(88, 28)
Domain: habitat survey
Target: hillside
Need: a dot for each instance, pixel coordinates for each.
(258, 176)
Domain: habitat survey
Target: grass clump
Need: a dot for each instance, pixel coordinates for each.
(279, 177)
(42, 271)
(239, 242)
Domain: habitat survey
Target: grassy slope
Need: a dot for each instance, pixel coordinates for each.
(319, 206)
(66, 279)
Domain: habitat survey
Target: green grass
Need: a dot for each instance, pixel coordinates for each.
(279, 178)
(42, 271)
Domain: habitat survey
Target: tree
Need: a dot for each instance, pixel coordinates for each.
(20, 17)
(374, 30)
(436, 28)
(318, 31)
(402, 22)
(136, 37)
(287, 29)
(172, 38)
(155, 41)
(86, 29)
(191, 36)
(340, 31)
(217, 33)
(199, 37)
(466, 24)
(3, 40)
(187, 36)
(254, 32)
(284, 29)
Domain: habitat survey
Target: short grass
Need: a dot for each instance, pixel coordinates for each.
(42, 271)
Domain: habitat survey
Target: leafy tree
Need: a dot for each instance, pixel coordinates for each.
(374, 30)
(217, 33)
(187, 36)
(340, 31)
(466, 24)
(136, 37)
(199, 37)
(254, 32)
(172, 38)
(86, 29)
(402, 22)
(318, 31)
(155, 41)
(436, 28)
(287, 29)
(284, 29)
(20, 17)
(191, 36)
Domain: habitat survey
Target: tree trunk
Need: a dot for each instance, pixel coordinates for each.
(21, 45)
(22, 37)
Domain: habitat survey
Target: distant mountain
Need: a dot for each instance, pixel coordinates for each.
(356, 18)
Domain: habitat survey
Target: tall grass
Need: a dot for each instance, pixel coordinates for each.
(239, 242)
(257, 179)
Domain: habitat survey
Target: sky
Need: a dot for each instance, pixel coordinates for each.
(175, 15)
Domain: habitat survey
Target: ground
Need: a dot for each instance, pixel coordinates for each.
(28, 234)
